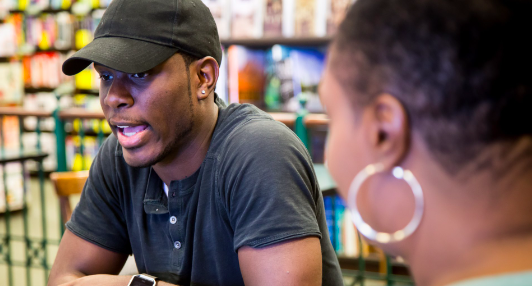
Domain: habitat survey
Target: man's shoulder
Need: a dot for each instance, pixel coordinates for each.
(236, 114)
(246, 126)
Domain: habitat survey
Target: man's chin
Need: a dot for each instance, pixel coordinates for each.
(136, 162)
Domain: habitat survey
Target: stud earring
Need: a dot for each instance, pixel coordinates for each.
(203, 92)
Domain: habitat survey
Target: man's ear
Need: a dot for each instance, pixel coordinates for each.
(207, 71)
(387, 129)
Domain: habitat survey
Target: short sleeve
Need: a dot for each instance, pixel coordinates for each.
(98, 217)
(269, 188)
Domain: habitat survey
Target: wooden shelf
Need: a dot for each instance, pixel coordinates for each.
(312, 119)
(50, 89)
(268, 42)
(87, 91)
(21, 156)
(372, 264)
(64, 51)
(48, 11)
(19, 111)
(38, 89)
(73, 113)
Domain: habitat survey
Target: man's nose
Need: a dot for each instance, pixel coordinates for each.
(118, 95)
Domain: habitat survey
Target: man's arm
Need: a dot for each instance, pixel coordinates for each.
(79, 262)
(77, 258)
(294, 262)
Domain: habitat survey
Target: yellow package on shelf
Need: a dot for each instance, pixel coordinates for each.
(83, 79)
(105, 127)
(23, 4)
(83, 38)
(65, 4)
(44, 43)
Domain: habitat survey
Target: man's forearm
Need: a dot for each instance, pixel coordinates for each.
(100, 280)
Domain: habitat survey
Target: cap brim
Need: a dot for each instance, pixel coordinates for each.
(121, 54)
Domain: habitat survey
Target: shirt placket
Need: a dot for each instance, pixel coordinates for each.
(176, 224)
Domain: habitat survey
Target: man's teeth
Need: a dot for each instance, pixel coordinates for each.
(128, 134)
(129, 131)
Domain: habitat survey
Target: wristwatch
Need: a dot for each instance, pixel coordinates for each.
(143, 280)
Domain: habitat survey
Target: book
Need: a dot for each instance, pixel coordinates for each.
(279, 87)
(8, 40)
(336, 10)
(273, 18)
(305, 18)
(12, 194)
(247, 19)
(222, 84)
(246, 75)
(329, 215)
(221, 12)
(11, 83)
(65, 31)
(308, 65)
(339, 224)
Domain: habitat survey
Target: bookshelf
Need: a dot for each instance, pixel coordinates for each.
(288, 47)
(269, 42)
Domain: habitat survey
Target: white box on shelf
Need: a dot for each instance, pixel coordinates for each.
(221, 12)
(14, 181)
(247, 18)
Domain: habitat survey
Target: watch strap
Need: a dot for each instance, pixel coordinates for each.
(145, 277)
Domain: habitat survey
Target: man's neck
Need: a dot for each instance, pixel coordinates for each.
(190, 156)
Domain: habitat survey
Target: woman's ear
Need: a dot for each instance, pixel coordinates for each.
(388, 130)
(207, 71)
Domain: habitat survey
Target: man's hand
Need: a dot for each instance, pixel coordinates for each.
(106, 280)
(100, 280)
(295, 262)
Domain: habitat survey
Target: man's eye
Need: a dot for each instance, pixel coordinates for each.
(139, 75)
(105, 77)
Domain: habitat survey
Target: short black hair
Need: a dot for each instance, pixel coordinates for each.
(188, 58)
(461, 68)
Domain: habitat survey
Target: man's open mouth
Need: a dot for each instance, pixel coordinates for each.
(129, 131)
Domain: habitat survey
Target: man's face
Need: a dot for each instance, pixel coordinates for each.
(151, 113)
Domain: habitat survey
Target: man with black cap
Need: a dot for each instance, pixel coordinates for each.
(201, 193)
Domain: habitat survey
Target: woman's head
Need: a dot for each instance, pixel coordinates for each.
(443, 88)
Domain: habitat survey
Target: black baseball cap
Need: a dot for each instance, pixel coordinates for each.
(136, 35)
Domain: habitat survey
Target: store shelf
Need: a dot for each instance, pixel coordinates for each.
(312, 119)
(44, 11)
(38, 89)
(21, 156)
(268, 42)
(373, 264)
(19, 111)
(88, 91)
(64, 51)
(73, 113)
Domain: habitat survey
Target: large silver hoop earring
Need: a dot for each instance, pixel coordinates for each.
(364, 228)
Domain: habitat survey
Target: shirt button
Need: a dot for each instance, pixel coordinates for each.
(173, 219)
(177, 244)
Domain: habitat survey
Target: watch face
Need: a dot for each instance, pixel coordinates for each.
(138, 281)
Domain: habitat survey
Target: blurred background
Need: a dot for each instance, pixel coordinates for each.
(274, 55)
